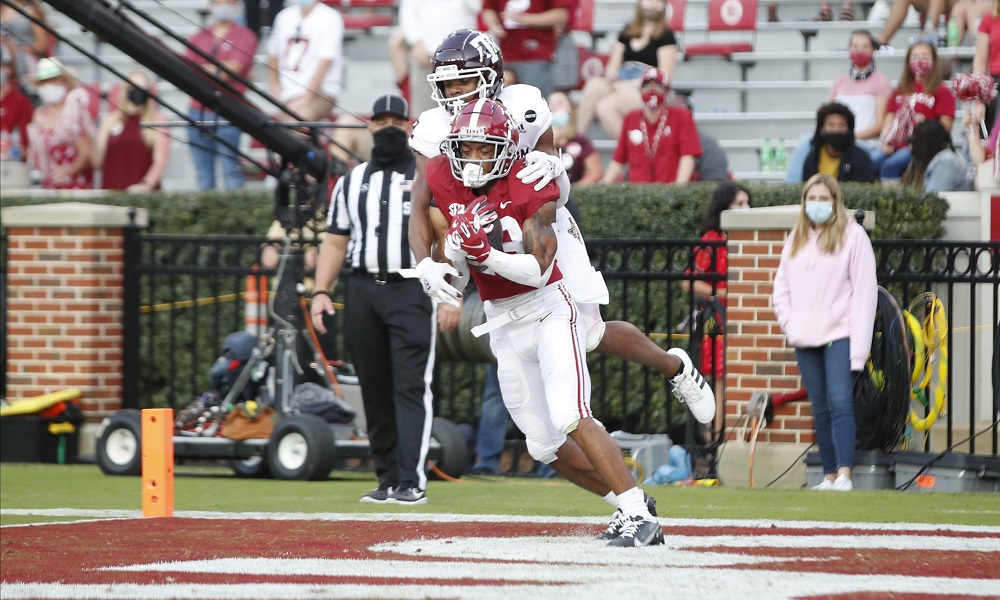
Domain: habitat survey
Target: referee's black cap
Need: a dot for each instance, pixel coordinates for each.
(391, 103)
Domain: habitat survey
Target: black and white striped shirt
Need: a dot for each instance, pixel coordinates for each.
(373, 208)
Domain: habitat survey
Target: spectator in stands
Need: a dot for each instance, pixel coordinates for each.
(61, 132)
(967, 15)
(728, 196)
(930, 12)
(424, 23)
(566, 66)
(583, 163)
(132, 157)
(16, 108)
(832, 148)
(826, 13)
(645, 42)
(526, 33)
(921, 87)
(256, 19)
(980, 150)
(987, 60)
(865, 91)
(713, 164)
(659, 143)
(30, 40)
(234, 46)
(936, 166)
(306, 59)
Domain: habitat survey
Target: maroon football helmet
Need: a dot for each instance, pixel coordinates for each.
(484, 121)
(466, 53)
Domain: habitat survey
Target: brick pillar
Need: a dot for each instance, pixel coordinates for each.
(758, 358)
(65, 282)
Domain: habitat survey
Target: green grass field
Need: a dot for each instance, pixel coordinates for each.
(31, 486)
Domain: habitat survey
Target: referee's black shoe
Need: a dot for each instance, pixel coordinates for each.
(379, 495)
(407, 495)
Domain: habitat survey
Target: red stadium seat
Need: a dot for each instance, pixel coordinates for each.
(373, 13)
(591, 64)
(726, 15)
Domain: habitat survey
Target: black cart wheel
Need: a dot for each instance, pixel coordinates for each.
(119, 445)
(253, 467)
(454, 454)
(302, 448)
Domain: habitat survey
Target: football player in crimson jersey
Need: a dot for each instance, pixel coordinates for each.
(468, 65)
(505, 229)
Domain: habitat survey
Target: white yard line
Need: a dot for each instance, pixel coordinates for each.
(461, 518)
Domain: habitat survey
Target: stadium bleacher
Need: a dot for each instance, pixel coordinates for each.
(770, 91)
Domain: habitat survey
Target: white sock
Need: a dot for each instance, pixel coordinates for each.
(611, 499)
(633, 502)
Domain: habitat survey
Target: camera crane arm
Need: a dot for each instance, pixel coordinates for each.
(112, 26)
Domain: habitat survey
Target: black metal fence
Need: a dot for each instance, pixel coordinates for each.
(184, 294)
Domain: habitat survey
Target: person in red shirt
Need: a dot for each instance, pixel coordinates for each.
(234, 45)
(500, 231)
(527, 33)
(16, 109)
(921, 87)
(658, 142)
(132, 157)
(715, 261)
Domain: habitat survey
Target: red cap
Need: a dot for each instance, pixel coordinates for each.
(655, 75)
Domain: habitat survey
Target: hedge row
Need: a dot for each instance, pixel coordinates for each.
(617, 211)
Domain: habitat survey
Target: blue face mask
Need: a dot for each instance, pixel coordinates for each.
(819, 212)
(306, 3)
(560, 119)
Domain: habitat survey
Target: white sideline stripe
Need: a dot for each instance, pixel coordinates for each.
(642, 582)
(463, 518)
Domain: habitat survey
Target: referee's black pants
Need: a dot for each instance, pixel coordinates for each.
(390, 331)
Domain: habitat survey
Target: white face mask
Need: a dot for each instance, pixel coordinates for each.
(819, 212)
(51, 93)
(223, 13)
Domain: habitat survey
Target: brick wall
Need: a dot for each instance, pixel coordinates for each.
(758, 358)
(65, 303)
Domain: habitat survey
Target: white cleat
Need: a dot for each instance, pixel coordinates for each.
(692, 389)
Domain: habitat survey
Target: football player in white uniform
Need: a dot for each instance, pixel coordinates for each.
(468, 65)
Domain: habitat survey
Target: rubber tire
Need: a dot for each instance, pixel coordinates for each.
(252, 468)
(301, 448)
(124, 433)
(454, 461)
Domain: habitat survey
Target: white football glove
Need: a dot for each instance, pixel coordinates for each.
(432, 276)
(542, 166)
(459, 259)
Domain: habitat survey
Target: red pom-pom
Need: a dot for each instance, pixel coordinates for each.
(898, 134)
(974, 87)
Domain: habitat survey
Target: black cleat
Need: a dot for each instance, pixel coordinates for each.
(618, 519)
(637, 531)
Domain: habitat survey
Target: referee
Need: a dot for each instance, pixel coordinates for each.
(390, 321)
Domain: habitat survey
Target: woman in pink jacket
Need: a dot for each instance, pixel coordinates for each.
(825, 293)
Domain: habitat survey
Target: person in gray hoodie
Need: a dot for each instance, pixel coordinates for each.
(936, 166)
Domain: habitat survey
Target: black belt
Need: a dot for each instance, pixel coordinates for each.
(380, 278)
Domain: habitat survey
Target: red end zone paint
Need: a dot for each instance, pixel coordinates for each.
(367, 559)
